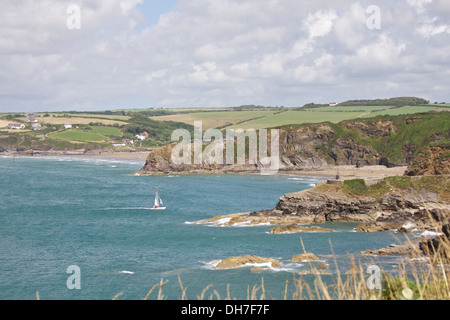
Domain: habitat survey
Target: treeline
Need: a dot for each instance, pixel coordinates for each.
(392, 102)
(395, 102)
(160, 131)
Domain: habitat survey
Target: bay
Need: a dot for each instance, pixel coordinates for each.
(92, 213)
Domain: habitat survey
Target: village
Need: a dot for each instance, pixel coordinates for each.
(73, 129)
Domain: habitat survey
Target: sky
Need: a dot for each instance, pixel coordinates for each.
(60, 55)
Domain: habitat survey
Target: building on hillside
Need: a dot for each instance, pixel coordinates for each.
(128, 141)
(67, 126)
(37, 126)
(15, 126)
(142, 136)
(333, 104)
(118, 144)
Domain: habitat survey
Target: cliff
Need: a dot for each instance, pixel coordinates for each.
(402, 203)
(389, 141)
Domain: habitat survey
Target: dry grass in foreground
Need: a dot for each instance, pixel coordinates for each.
(427, 280)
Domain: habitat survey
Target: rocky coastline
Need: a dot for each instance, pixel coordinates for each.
(403, 209)
(373, 151)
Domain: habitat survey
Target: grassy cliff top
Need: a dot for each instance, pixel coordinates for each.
(399, 184)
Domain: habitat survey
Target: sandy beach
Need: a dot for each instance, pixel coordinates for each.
(105, 154)
(346, 172)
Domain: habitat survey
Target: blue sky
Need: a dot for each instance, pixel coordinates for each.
(152, 10)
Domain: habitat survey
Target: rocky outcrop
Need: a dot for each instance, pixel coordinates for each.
(304, 147)
(319, 207)
(249, 219)
(159, 162)
(424, 246)
(431, 161)
(305, 257)
(295, 228)
(402, 209)
(406, 249)
(438, 247)
(408, 220)
(246, 260)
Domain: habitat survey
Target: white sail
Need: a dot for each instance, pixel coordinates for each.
(158, 202)
(157, 199)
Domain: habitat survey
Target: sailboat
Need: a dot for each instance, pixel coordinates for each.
(158, 202)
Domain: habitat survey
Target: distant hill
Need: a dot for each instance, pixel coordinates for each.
(399, 102)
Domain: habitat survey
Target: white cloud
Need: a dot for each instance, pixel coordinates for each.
(320, 23)
(216, 53)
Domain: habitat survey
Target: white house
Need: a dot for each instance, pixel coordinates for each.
(37, 126)
(118, 144)
(128, 141)
(67, 126)
(333, 104)
(16, 126)
(142, 136)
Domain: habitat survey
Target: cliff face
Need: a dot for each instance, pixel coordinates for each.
(301, 148)
(402, 203)
(431, 161)
(390, 141)
(403, 211)
(315, 146)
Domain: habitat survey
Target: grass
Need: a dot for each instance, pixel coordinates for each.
(77, 120)
(295, 118)
(402, 110)
(357, 187)
(78, 135)
(411, 281)
(107, 131)
(353, 108)
(99, 117)
(218, 119)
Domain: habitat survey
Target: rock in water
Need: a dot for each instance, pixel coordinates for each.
(297, 229)
(305, 257)
(241, 261)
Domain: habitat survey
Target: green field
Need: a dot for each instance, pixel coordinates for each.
(404, 110)
(78, 135)
(219, 119)
(106, 131)
(102, 127)
(95, 117)
(295, 117)
(352, 108)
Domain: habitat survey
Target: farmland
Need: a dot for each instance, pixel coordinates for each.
(217, 119)
(78, 135)
(293, 118)
(99, 129)
(257, 119)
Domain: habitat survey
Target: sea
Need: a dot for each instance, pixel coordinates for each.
(82, 229)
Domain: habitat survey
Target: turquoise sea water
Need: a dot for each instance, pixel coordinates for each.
(59, 212)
